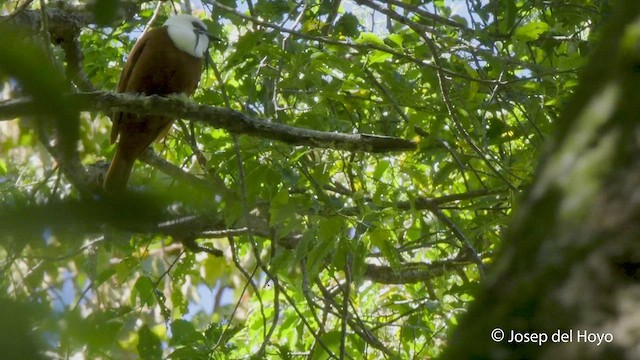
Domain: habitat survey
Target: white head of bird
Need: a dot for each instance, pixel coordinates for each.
(189, 34)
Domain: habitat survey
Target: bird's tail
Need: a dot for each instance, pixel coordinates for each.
(118, 173)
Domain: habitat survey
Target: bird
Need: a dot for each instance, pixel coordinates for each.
(165, 60)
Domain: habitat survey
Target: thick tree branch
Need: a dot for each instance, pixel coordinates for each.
(64, 28)
(412, 273)
(233, 121)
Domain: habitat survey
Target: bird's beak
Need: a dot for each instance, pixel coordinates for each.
(212, 38)
(209, 36)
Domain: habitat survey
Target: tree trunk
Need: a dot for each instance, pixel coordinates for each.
(567, 276)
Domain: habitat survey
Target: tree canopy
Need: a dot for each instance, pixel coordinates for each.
(336, 188)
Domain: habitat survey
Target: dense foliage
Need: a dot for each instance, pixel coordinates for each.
(323, 252)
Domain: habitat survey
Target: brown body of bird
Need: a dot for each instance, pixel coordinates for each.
(166, 60)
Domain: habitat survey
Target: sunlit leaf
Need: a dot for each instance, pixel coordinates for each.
(531, 31)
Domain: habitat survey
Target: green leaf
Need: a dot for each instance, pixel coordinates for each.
(328, 230)
(144, 291)
(149, 346)
(510, 14)
(281, 198)
(369, 38)
(381, 238)
(104, 276)
(380, 169)
(378, 56)
(187, 353)
(396, 39)
(183, 333)
(347, 25)
(332, 341)
(531, 31)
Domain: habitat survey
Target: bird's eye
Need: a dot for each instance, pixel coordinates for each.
(199, 25)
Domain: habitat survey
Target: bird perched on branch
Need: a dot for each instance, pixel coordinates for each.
(166, 60)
